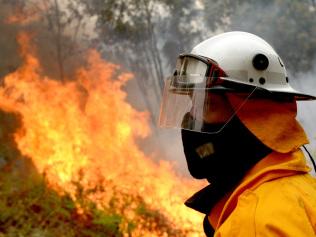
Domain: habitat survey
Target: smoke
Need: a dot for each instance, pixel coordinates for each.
(61, 31)
(9, 58)
(306, 82)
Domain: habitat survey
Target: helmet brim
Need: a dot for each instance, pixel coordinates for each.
(285, 91)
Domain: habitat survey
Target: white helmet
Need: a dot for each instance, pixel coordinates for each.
(230, 62)
(248, 59)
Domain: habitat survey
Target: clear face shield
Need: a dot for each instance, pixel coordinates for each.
(194, 97)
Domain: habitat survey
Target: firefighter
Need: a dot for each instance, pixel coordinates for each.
(232, 99)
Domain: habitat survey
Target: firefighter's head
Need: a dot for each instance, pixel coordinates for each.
(230, 80)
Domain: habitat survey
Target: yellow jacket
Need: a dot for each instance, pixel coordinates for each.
(277, 197)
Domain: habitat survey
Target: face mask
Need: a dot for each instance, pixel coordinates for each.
(222, 157)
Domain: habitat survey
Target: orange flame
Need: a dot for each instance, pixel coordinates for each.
(84, 130)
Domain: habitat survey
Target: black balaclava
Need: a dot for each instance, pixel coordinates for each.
(222, 158)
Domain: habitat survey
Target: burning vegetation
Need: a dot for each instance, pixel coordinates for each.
(70, 165)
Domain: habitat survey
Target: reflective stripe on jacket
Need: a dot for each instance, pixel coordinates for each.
(276, 198)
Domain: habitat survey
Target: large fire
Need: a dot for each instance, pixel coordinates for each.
(83, 131)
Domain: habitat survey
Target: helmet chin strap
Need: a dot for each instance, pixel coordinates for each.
(311, 158)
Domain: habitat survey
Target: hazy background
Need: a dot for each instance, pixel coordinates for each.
(145, 37)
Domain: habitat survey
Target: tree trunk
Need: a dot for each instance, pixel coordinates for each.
(59, 48)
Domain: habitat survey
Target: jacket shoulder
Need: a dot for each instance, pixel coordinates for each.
(280, 207)
(286, 207)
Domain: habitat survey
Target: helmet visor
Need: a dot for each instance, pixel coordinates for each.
(187, 105)
(194, 97)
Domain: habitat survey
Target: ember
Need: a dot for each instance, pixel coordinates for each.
(80, 134)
